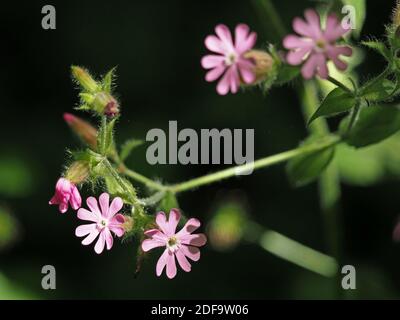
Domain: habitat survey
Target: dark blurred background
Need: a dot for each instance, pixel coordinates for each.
(157, 47)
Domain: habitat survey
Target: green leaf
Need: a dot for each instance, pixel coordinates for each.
(374, 124)
(168, 202)
(336, 101)
(379, 91)
(128, 147)
(115, 189)
(8, 228)
(286, 73)
(360, 167)
(360, 12)
(305, 169)
(108, 80)
(105, 138)
(378, 46)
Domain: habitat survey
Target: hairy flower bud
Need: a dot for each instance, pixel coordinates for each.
(83, 77)
(105, 103)
(83, 129)
(128, 224)
(263, 63)
(77, 172)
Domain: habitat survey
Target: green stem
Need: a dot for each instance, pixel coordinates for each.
(121, 182)
(353, 118)
(291, 250)
(340, 85)
(103, 132)
(261, 163)
(329, 182)
(142, 179)
(153, 199)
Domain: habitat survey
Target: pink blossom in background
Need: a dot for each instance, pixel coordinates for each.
(181, 245)
(66, 192)
(106, 219)
(229, 62)
(316, 46)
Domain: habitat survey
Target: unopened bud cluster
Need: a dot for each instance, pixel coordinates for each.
(95, 95)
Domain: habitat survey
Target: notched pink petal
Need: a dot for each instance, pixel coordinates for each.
(193, 253)
(104, 201)
(183, 261)
(149, 244)
(173, 220)
(212, 61)
(171, 266)
(87, 215)
(161, 221)
(115, 207)
(197, 240)
(161, 263)
(99, 247)
(85, 229)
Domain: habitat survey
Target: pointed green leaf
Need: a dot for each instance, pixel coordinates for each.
(108, 80)
(337, 101)
(128, 147)
(374, 124)
(305, 169)
(379, 91)
(378, 46)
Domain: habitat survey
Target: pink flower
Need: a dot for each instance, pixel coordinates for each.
(229, 62)
(181, 245)
(316, 46)
(66, 192)
(105, 220)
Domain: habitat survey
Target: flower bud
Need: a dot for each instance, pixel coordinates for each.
(396, 15)
(226, 228)
(83, 77)
(77, 172)
(128, 224)
(104, 103)
(83, 129)
(263, 63)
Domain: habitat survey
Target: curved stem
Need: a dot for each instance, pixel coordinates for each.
(291, 250)
(261, 163)
(141, 178)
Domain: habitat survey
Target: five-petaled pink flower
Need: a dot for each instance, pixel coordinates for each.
(229, 62)
(106, 219)
(316, 46)
(66, 192)
(181, 245)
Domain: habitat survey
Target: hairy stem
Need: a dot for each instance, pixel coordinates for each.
(261, 163)
(141, 178)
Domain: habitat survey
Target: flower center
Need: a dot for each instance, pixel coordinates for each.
(230, 59)
(173, 243)
(102, 224)
(321, 44)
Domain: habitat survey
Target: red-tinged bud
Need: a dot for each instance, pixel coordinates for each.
(77, 172)
(83, 129)
(105, 103)
(263, 61)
